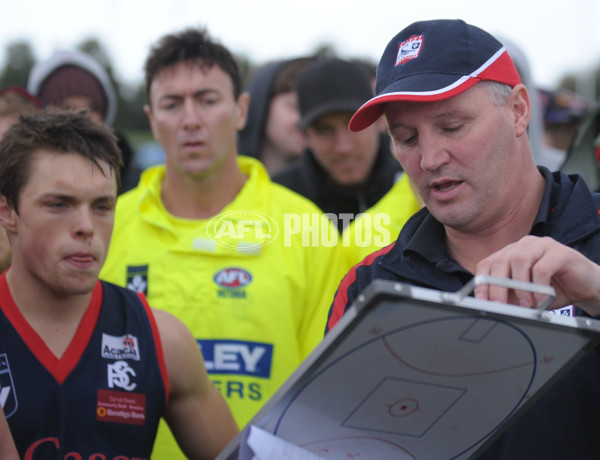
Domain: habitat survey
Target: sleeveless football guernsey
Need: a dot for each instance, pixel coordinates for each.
(102, 399)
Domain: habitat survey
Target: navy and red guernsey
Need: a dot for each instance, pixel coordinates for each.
(565, 421)
(102, 399)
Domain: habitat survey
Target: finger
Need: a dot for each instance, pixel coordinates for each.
(499, 269)
(522, 269)
(541, 274)
(482, 292)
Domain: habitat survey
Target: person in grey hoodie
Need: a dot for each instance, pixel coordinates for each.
(72, 79)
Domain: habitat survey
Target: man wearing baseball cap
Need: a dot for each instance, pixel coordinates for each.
(342, 172)
(457, 114)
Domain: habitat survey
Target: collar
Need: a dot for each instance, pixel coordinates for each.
(548, 204)
(150, 205)
(200, 235)
(568, 213)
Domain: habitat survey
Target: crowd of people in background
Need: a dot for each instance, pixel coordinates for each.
(274, 151)
(272, 132)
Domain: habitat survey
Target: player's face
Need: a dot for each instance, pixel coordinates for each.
(61, 233)
(347, 156)
(461, 154)
(194, 115)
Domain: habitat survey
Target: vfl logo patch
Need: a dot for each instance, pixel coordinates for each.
(137, 278)
(120, 375)
(124, 347)
(233, 278)
(8, 398)
(237, 357)
(409, 49)
(568, 310)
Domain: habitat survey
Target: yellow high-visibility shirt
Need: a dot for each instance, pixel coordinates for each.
(253, 284)
(380, 225)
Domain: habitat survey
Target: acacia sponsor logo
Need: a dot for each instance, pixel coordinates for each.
(242, 229)
(122, 347)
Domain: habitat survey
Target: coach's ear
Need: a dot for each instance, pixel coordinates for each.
(8, 216)
(521, 106)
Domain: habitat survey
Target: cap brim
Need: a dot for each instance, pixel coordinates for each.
(435, 87)
(373, 109)
(346, 105)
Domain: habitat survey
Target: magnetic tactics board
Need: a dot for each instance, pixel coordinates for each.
(414, 373)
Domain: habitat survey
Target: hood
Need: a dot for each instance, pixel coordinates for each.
(43, 69)
(250, 138)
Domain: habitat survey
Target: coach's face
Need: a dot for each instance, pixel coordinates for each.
(464, 154)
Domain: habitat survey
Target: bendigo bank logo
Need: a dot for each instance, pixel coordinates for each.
(242, 229)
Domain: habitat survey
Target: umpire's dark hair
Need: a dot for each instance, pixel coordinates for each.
(51, 132)
(194, 46)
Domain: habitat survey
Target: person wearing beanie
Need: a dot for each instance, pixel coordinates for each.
(343, 173)
(74, 80)
(457, 113)
(271, 133)
(15, 101)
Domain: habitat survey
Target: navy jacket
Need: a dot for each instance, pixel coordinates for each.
(564, 422)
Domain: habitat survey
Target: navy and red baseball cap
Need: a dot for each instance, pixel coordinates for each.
(435, 60)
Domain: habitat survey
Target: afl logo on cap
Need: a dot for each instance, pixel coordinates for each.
(233, 278)
(409, 49)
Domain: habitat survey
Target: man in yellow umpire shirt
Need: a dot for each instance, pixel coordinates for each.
(248, 265)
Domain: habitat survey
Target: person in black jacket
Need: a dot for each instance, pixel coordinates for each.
(457, 114)
(343, 173)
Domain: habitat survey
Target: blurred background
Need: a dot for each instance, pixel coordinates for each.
(559, 41)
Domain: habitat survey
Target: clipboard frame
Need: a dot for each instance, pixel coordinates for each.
(389, 298)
